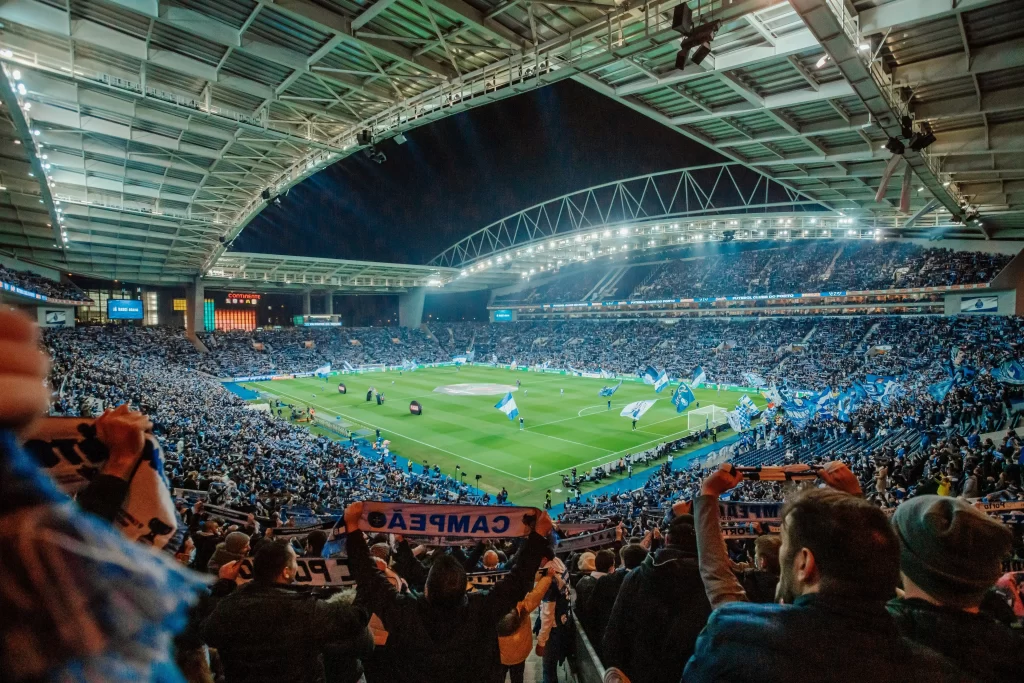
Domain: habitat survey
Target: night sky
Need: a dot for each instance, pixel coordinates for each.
(458, 174)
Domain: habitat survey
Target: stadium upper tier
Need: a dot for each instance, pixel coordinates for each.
(806, 351)
(773, 268)
(141, 137)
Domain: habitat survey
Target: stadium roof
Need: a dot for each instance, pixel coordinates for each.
(236, 270)
(168, 124)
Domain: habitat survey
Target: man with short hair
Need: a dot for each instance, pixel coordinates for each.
(315, 542)
(950, 556)
(604, 562)
(444, 634)
(761, 581)
(606, 590)
(659, 611)
(266, 632)
(839, 562)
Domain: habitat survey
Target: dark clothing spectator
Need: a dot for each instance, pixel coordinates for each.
(819, 638)
(271, 634)
(658, 614)
(430, 642)
(977, 643)
(759, 585)
(601, 602)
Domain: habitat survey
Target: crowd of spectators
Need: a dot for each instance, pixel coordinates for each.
(38, 284)
(303, 349)
(214, 441)
(666, 600)
(788, 267)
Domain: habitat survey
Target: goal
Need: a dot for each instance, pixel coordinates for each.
(706, 416)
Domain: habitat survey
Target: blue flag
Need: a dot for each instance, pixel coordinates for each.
(698, 376)
(682, 398)
(939, 390)
(799, 411)
(661, 382)
(881, 388)
(507, 405)
(649, 375)
(1009, 372)
(748, 403)
(608, 391)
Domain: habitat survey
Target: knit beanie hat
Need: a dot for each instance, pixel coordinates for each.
(950, 549)
(236, 542)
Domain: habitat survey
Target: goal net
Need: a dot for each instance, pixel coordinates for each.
(706, 416)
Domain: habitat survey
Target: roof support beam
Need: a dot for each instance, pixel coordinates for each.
(370, 13)
(1007, 55)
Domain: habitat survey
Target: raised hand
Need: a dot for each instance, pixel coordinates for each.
(726, 477)
(24, 396)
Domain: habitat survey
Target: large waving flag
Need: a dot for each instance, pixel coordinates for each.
(845, 404)
(881, 388)
(507, 405)
(1010, 372)
(682, 397)
(939, 390)
(739, 419)
(649, 375)
(322, 370)
(608, 391)
(699, 377)
(748, 403)
(637, 408)
(754, 379)
(799, 411)
(661, 382)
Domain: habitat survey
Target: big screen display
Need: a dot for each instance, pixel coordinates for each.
(124, 309)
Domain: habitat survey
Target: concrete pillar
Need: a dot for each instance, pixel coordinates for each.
(410, 307)
(305, 303)
(329, 303)
(195, 299)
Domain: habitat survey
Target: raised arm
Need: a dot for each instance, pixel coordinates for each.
(373, 590)
(507, 593)
(720, 584)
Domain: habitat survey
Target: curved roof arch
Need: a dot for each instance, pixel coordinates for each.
(165, 121)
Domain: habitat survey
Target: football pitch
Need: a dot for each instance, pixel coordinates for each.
(562, 431)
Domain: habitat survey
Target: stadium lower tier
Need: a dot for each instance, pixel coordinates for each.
(566, 424)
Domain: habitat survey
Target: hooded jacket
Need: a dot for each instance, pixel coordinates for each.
(657, 616)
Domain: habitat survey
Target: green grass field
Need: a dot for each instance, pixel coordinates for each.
(574, 430)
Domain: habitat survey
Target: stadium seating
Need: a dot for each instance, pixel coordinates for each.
(38, 284)
(777, 269)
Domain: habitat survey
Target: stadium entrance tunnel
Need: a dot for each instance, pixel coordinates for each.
(475, 389)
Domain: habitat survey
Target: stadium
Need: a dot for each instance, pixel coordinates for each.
(529, 340)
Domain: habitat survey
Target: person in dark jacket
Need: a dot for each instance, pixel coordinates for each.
(659, 611)
(265, 632)
(761, 581)
(606, 590)
(950, 555)
(839, 564)
(444, 634)
(604, 562)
